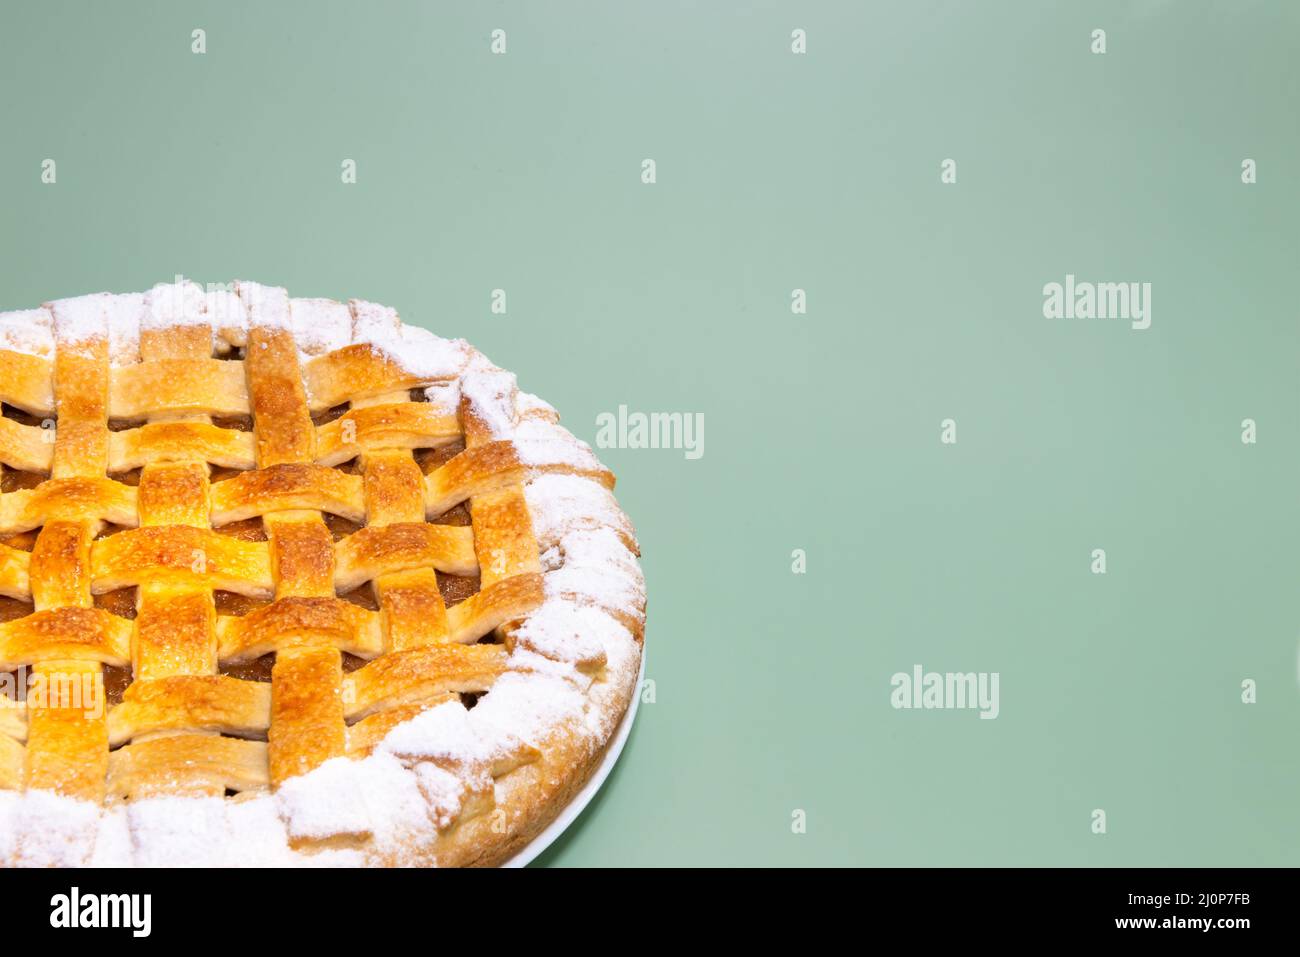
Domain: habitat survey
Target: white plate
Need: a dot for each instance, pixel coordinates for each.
(580, 800)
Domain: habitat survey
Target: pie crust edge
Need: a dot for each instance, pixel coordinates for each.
(538, 792)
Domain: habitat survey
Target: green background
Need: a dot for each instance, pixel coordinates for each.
(819, 172)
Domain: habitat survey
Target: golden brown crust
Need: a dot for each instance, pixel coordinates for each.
(187, 764)
(427, 672)
(199, 702)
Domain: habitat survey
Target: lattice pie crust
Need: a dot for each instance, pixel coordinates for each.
(286, 581)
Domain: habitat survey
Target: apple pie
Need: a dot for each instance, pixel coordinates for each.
(286, 581)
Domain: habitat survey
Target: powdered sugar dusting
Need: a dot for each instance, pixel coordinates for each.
(373, 322)
(176, 831)
(445, 732)
(375, 798)
(54, 831)
(320, 325)
(263, 838)
(542, 443)
(442, 791)
(416, 350)
(175, 304)
(622, 663)
(530, 406)
(228, 315)
(524, 660)
(562, 503)
(445, 396)
(113, 846)
(491, 396)
(596, 567)
(526, 705)
(125, 315)
(567, 632)
(427, 356)
(10, 801)
(81, 318)
(328, 802)
(28, 330)
(268, 306)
